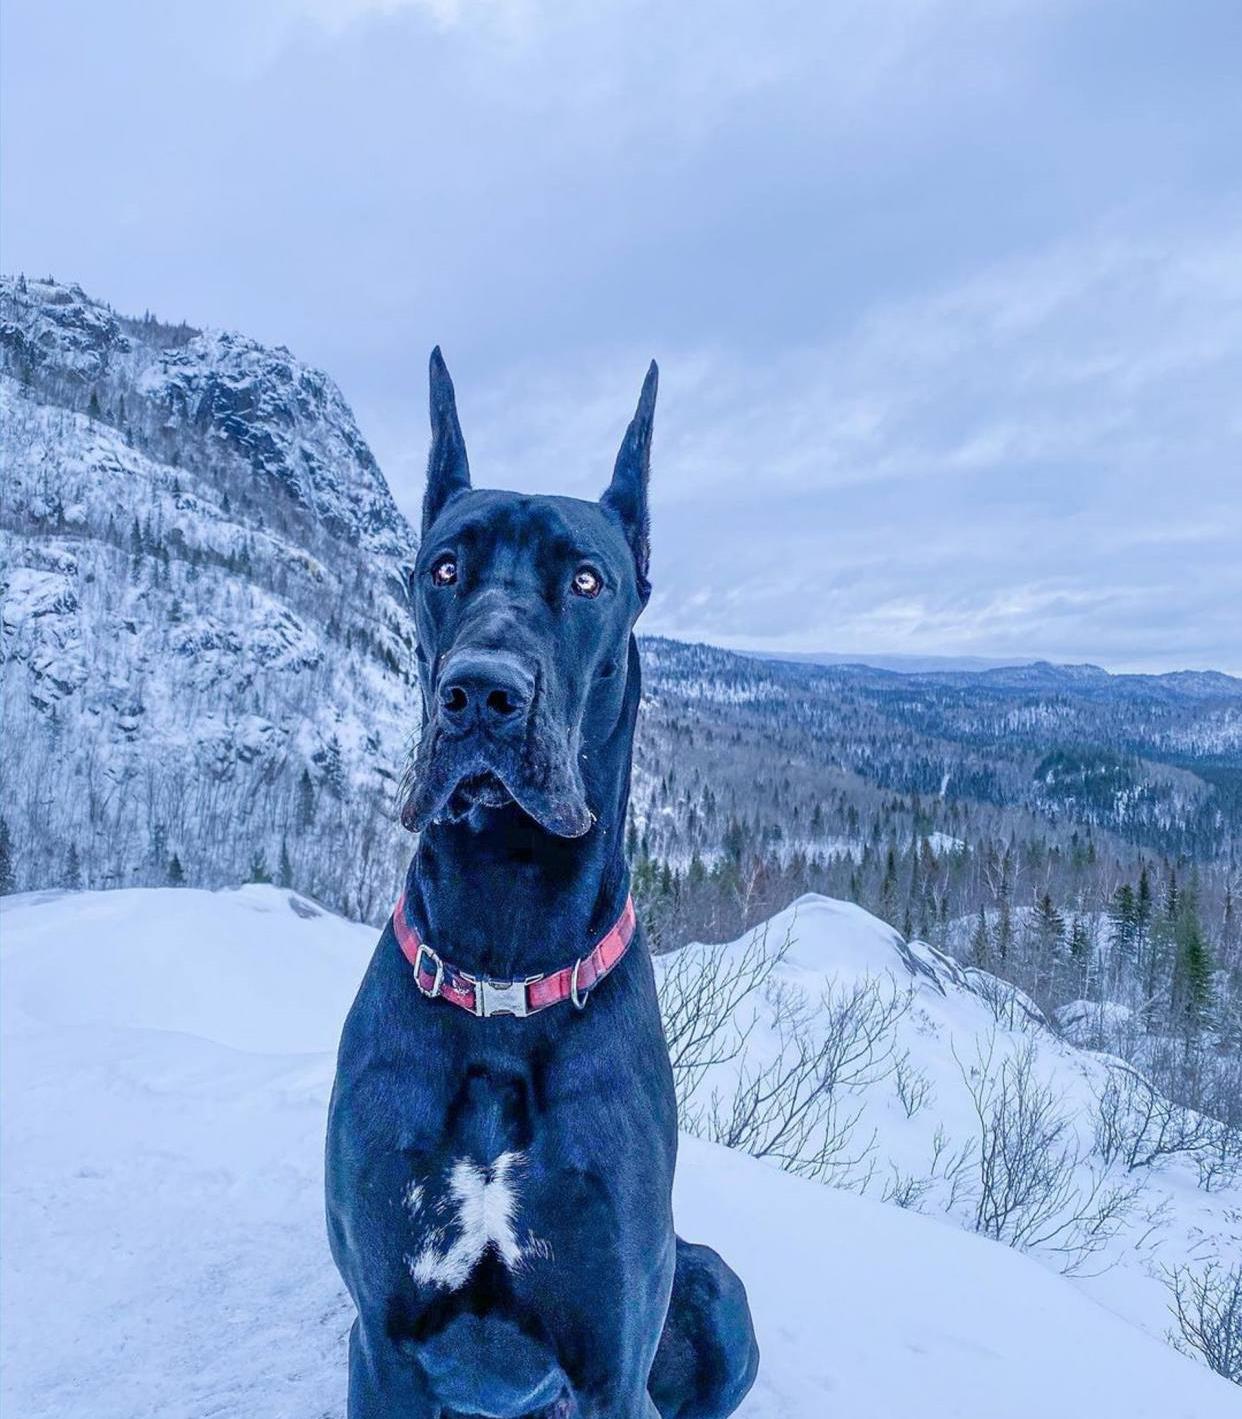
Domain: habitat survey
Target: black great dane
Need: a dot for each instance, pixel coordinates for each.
(503, 1127)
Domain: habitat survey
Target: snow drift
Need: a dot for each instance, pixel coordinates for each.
(167, 1061)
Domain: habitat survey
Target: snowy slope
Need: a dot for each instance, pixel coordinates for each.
(167, 1060)
(954, 1034)
(206, 652)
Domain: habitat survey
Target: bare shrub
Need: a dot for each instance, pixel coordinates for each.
(1139, 1127)
(950, 1168)
(702, 995)
(914, 1088)
(1220, 1161)
(1010, 1008)
(905, 1189)
(799, 1109)
(1207, 1306)
(1031, 1189)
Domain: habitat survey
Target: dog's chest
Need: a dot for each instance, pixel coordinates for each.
(466, 1210)
(517, 1188)
(459, 1160)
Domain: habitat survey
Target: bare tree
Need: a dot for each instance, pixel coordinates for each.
(1207, 1306)
(1033, 1189)
(802, 1107)
(914, 1088)
(950, 1168)
(704, 995)
(1138, 1127)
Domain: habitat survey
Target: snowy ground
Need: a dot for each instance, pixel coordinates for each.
(956, 1032)
(167, 1060)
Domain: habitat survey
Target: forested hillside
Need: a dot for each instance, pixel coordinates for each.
(207, 659)
(1073, 832)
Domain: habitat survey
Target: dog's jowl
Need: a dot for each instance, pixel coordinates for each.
(503, 1129)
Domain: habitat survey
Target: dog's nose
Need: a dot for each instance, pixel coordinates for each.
(491, 691)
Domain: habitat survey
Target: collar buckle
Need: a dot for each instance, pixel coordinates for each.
(437, 967)
(499, 997)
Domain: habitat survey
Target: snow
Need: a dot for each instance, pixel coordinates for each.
(167, 1061)
(961, 1026)
(188, 961)
(1085, 1020)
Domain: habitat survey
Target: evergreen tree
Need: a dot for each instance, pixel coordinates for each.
(1144, 908)
(1192, 970)
(306, 801)
(73, 868)
(1122, 922)
(332, 767)
(1004, 930)
(981, 942)
(284, 873)
(176, 873)
(258, 868)
(889, 885)
(1079, 973)
(8, 876)
(1079, 941)
(1049, 927)
(1172, 899)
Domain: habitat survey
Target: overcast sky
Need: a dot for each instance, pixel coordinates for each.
(947, 297)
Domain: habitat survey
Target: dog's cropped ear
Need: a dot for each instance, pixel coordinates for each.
(626, 497)
(448, 469)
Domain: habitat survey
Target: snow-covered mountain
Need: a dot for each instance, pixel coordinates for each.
(165, 1095)
(207, 653)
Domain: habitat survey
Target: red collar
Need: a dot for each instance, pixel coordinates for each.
(484, 997)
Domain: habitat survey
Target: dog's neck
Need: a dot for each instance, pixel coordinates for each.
(500, 896)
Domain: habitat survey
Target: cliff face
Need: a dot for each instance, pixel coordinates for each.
(208, 660)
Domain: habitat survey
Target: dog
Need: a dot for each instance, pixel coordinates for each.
(503, 1126)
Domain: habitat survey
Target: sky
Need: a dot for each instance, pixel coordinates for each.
(947, 297)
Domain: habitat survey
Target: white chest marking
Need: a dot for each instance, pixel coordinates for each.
(483, 1204)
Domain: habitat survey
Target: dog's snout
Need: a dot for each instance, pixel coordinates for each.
(491, 691)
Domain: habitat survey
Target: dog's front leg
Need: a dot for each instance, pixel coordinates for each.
(633, 1401)
(382, 1383)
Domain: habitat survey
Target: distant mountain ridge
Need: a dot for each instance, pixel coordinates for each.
(903, 664)
(815, 758)
(1021, 674)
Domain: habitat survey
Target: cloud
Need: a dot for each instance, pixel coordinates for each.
(336, 16)
(1042, 459)
(945, 293)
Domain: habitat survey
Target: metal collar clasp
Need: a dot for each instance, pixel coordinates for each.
(498, 997)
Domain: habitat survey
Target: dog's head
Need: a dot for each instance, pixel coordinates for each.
(524, 607)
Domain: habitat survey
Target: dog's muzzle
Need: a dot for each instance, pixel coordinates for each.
(485, 691)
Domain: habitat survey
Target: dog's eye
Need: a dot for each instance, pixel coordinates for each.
(444, 571)
(587, 582)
